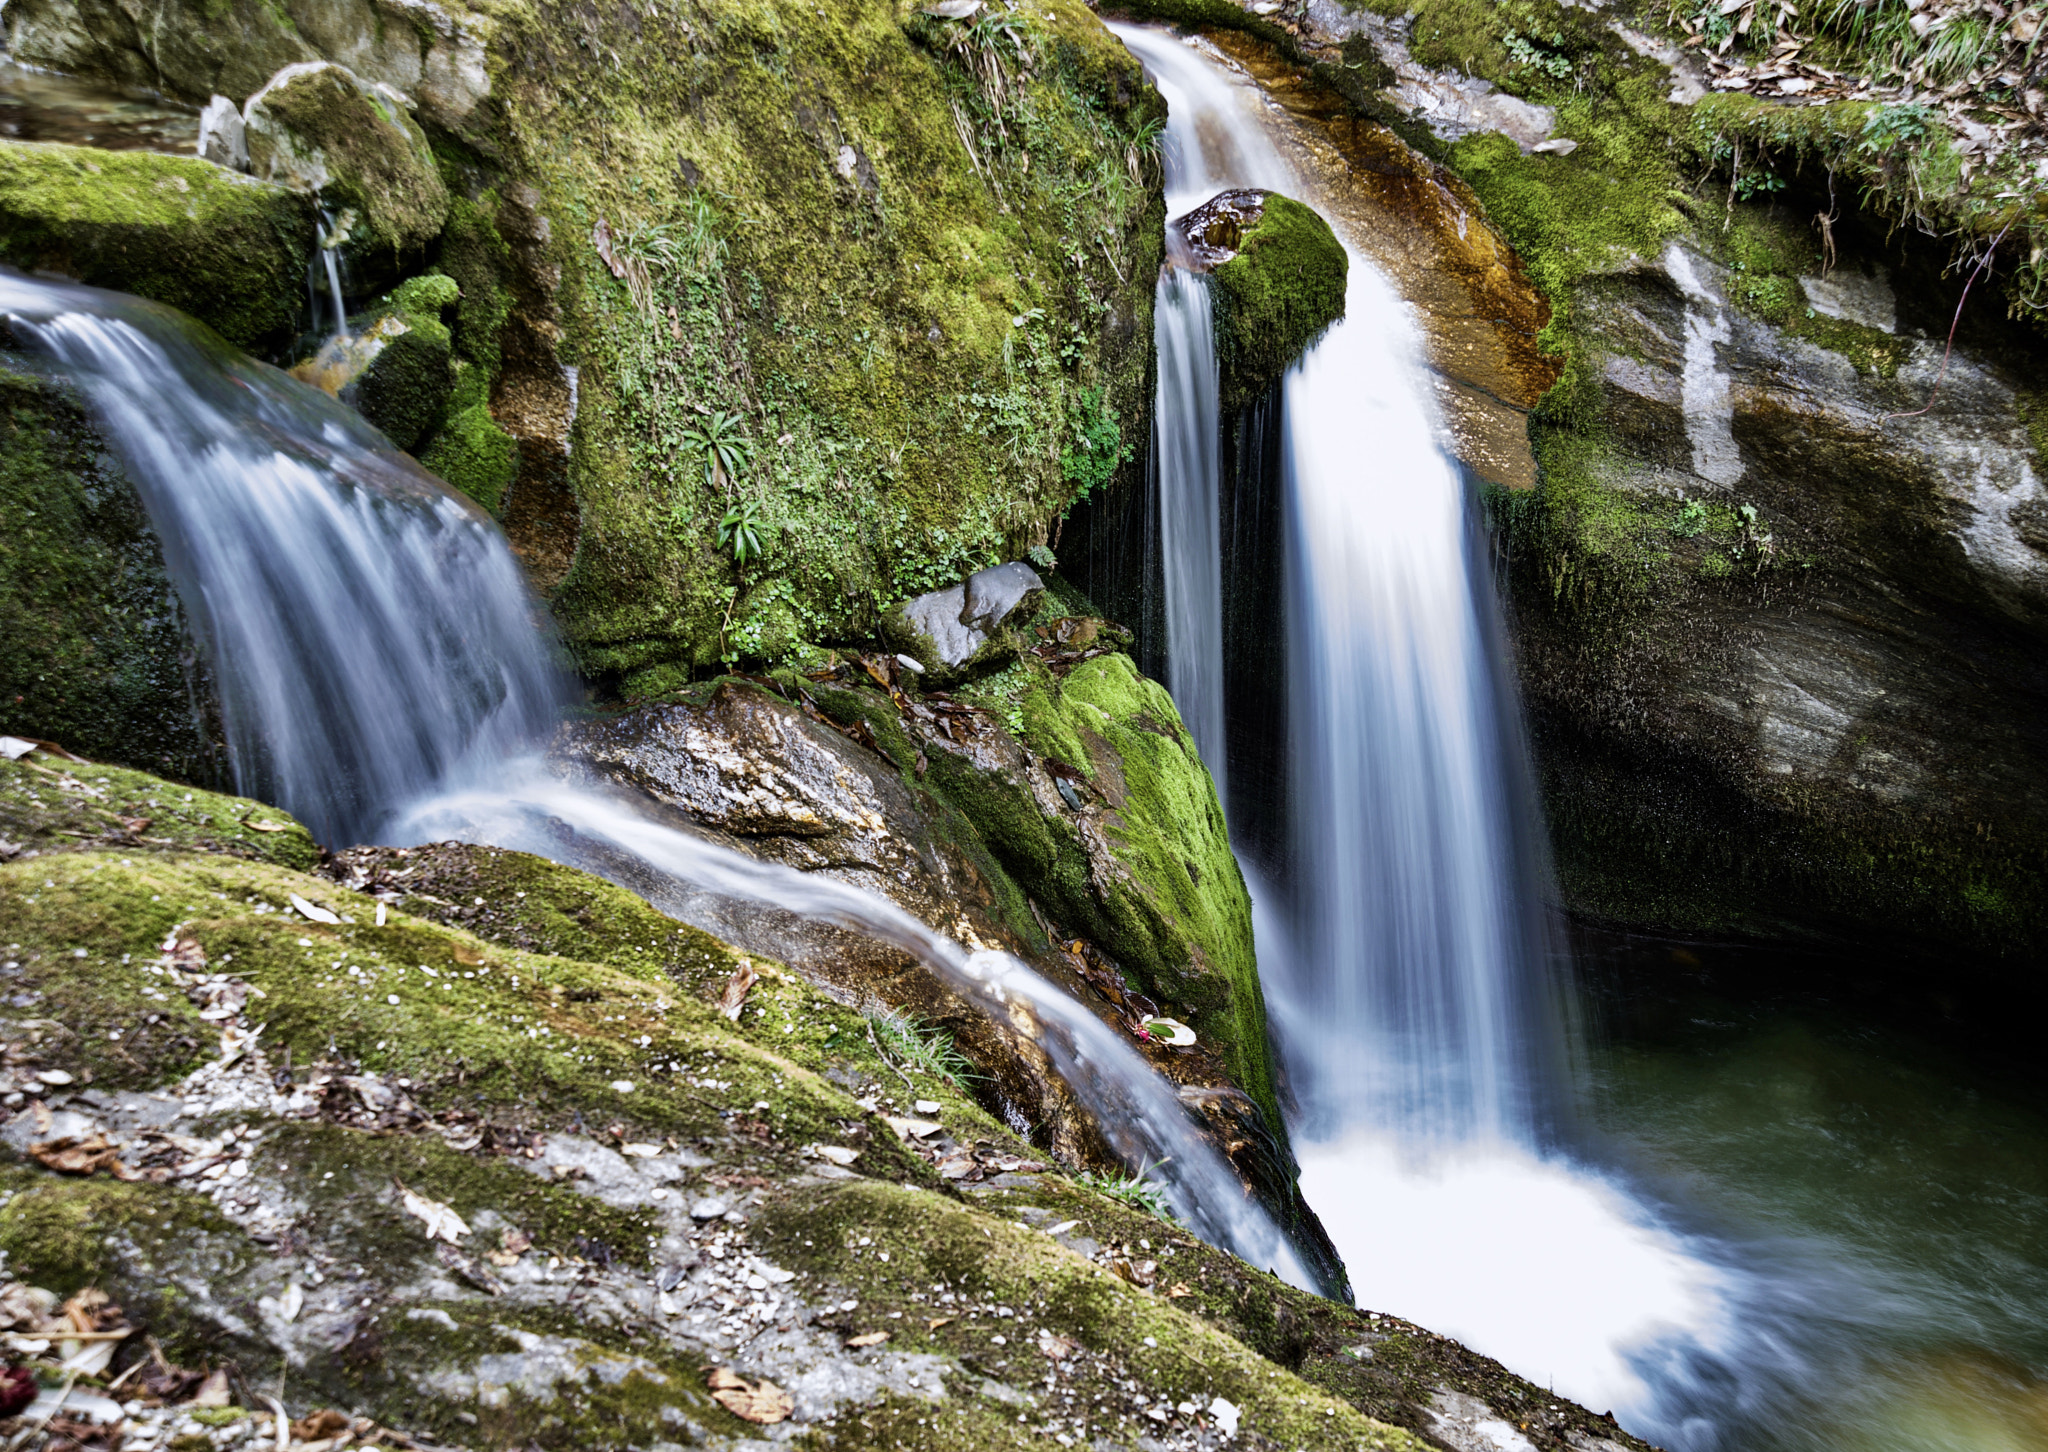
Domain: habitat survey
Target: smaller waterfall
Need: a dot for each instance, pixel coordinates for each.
(384, 677)
(368, 627)
(326, 266)
(1185, 438)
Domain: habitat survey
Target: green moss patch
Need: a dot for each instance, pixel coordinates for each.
(227, 249)
(1284, 286)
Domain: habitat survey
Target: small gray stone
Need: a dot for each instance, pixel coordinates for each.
(937, 616)
(707, 1209)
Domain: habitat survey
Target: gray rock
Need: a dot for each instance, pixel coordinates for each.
(937, 617)
(194, 49)
(954, 625)
(994, 595)
(319, 127)
(223, 139)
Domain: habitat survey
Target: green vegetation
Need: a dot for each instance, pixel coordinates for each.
(907, 1042)
(909, 264)
(1275, 297)
(229, 250)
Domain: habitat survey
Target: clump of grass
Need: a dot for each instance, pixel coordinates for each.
(1139, 1191)
(907, 1043)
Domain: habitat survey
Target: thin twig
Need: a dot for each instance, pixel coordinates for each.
(885, 1058)
(1989, 253)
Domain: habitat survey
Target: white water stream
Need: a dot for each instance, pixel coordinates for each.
(1402, 950)
(384, 677)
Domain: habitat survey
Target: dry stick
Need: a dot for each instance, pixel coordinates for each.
(1989, 253)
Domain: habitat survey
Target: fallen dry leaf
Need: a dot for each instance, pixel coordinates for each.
(511, 1245)
(213, 1392)
(319, 1426)
(755, 1401)
(936, 1322)
(1058, 1348)
(1180, 1289)
(255, 826)
(442, 1223)
(313, 911)
(737, 987)
(70, 1156)
(838, 1154)
(871, 1338)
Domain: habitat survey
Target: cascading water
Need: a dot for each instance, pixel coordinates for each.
(1185, 438)
(1400, 937)
(383, 671)
(326, 266)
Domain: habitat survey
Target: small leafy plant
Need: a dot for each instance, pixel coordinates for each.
(726, 449)
(1692, 520)
(908, 1042)
(1139, 1191)
(739, 530)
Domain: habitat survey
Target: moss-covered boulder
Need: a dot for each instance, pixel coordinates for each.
(1279, 274)
(355, 144)
(95, 651)
(502, 1173)
(228, 249)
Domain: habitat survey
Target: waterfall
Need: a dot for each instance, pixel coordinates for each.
(385, 675)
(1413, 988)
(1398, 898)
(326, 265)
(1185, 438)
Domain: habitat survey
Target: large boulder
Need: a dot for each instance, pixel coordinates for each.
(1279, 274)
(1781, 617)
(1058, 810)
(480, 1161)
(228, 249)
(355, 145)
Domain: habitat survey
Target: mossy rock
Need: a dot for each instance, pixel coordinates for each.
(95, 650)
(1279, 274)
(228, 249)
(475, 455)
(555, 1071)
(316, 125)
(406, 387)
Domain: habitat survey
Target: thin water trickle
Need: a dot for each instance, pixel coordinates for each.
(384, 677)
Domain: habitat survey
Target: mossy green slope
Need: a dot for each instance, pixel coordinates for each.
(519, 1042)
(922, 292)
(227, 249)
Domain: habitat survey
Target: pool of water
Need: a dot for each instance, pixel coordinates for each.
(1790, 1220)
(1875, 1188)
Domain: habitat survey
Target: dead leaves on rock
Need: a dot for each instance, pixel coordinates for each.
(69, 1156)
(734, 998)
(442, 1223)
(761, 1401)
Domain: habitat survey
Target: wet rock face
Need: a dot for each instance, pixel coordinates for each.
(1279, 273)
(195, 52)
(1789, 673)
(94, 647)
